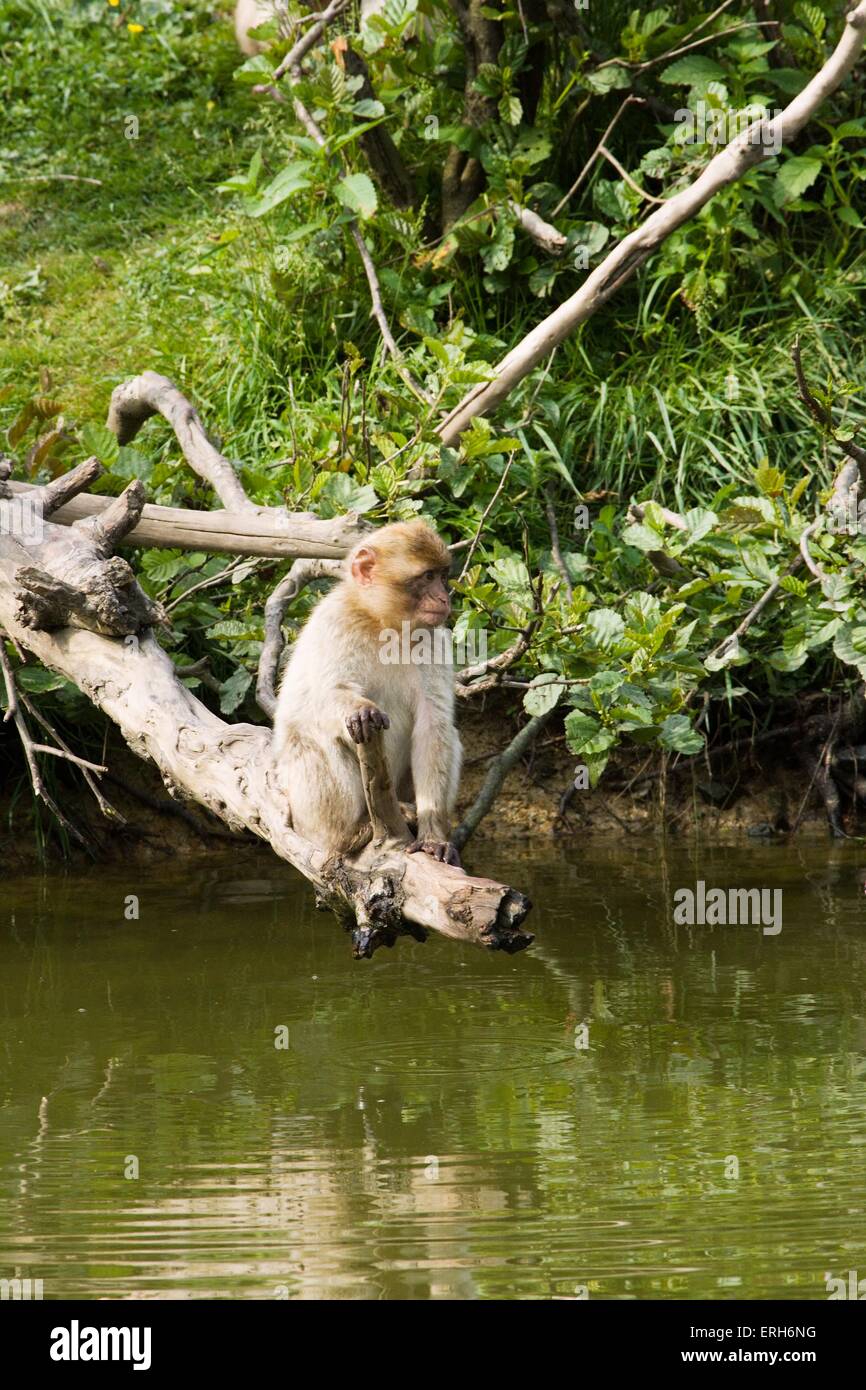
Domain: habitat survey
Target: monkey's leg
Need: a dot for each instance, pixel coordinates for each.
(435, 774)
(324, 792)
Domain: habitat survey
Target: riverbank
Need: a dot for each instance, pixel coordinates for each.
(750, 788)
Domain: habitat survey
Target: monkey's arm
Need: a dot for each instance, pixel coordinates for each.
(356, 713)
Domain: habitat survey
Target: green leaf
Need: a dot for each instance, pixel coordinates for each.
(542, 695)
(37, 681)
(796, 175)
(368, 106)
(607, 80)
(605, 626)
(692, 71)
(791, 81)
(343, 494)
(812, 17)
(98, 439)
(290, 180)
(130, 463)
(699, 521)
(511, 110)
(160, 566)
(232, 629)
(850, 646)
(257, 69)
(555, 455)
(654, 19)
(233, 690)
(356, 191)
(678, 735)
(580, 729)
(642, 537)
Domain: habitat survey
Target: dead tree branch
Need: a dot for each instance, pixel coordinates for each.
(227, 768)
(756, 143)
(137, 400)
(270, 532)
(301, 574)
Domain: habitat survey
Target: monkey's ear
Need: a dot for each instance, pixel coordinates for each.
(363, 565)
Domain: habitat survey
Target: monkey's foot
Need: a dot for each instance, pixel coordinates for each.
(365, 721)
(442, 850)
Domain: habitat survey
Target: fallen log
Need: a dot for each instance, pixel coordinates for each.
(266, 531)
(79, 610)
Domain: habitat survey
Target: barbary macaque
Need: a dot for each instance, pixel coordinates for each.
(341, 683)
(249, 14)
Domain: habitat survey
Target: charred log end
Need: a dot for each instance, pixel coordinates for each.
(501, 932)
(504, 934)
(378, 915)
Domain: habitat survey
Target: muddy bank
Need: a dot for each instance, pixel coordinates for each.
(756, 789)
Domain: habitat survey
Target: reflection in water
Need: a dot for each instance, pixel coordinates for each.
(435, 1125)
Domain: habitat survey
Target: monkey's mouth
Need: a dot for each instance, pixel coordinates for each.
(432, 617)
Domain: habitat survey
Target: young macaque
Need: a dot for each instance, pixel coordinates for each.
(337, 689)
(249, 14)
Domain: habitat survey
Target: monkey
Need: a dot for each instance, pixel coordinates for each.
(249, 14)
(339, 686)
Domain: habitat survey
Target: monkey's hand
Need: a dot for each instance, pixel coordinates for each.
(365, 721)
(442, 850)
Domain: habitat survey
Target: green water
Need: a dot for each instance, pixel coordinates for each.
(431, 1130)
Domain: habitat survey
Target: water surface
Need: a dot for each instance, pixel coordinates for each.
(431, 1129)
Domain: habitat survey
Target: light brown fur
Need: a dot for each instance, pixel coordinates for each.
(336, 687)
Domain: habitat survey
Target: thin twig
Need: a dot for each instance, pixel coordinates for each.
(554, 545)
(301, 48)
(496, 775)
(487, 510)
(44, 178)
(629, 101)
(624, 174)
(39, 790)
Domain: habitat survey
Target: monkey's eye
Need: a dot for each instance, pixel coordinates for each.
(429, 576)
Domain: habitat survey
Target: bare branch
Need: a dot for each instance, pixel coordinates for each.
(756, 143)
(136, 400)
(298, 52)
(541, 232)
(555, 550)
(301, 574)
(62, 490)
(264, 531)
(383, 808)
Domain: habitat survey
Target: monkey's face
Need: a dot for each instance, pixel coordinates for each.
(401, 576)
(392, 591)
(429, 603)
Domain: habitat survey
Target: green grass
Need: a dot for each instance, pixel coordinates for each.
(97, 280)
